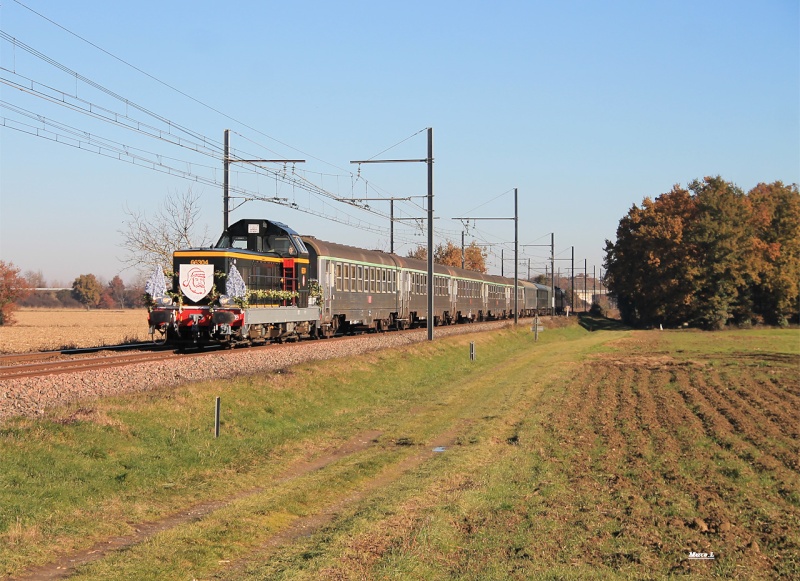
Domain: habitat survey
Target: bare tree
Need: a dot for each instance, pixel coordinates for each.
(150, 240)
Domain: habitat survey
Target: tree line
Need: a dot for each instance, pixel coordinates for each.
(87, 291)
(708, 255)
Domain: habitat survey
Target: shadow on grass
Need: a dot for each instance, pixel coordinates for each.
(596, 323)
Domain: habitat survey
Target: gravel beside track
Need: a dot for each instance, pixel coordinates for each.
(31, 397)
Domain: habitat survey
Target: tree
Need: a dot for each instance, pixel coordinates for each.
(708, 255)
(649, 270)
(87, 290)
(776, 232)
(35, 279)
(150, 240)
(116, 290)
(13, 287)
(475, 257)
(449, 254)
(720, 238)
(420, 253)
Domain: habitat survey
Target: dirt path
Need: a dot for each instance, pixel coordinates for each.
(66, 565)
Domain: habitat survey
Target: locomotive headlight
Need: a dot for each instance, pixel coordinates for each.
(226, 301)
(165, 301)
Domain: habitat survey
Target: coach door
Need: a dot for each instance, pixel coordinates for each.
(403, 286)
(328, 287)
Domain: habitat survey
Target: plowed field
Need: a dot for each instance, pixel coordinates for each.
(657, 460)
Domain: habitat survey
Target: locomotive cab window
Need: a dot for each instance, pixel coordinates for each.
(281, 245)
(239, 242)
(301, 247)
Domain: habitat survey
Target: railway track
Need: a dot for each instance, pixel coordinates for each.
(20, 366)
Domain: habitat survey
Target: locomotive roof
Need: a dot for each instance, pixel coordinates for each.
(241, 226)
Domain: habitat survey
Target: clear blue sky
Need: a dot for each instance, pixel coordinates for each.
(585, 107)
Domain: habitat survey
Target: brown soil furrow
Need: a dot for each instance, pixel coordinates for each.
(784, 385)
(677, 420)
(727, 395)
(639, 451)
(748, 424)
(632, 421)
(569, 424)
(732, 389)
(605, 424)
(735, 460)
(715, 425)
(753, 390)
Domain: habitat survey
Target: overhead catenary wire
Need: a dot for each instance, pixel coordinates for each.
(87, 141)
(177, 134)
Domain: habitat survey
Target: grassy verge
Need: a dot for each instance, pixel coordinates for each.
(589, 453)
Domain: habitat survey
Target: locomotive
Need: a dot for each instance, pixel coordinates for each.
(280, 286)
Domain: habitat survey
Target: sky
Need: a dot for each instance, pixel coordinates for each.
(585, 108)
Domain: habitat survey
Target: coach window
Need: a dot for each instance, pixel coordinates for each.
(383, 280)
(338, 276)
(353, 277)
(394, 281)
(360, 276)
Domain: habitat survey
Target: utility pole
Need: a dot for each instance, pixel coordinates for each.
(428, 160)
(516, 258)
(553, 271)
(226, 162)
(516, 250)
(572, 282)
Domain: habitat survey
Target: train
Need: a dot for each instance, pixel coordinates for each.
(281, 286)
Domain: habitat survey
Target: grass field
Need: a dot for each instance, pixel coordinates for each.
(605, 454)
(53, 329)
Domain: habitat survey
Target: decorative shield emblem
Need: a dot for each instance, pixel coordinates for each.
(196, 280)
